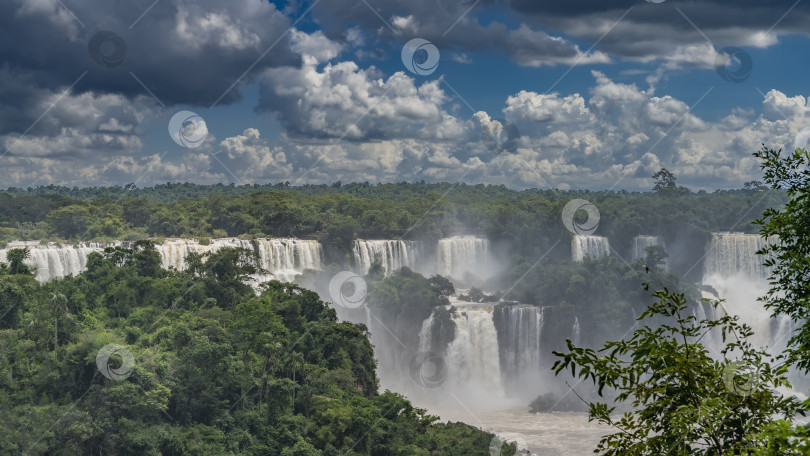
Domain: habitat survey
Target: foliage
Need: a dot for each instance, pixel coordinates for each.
(527, 222)
(684, 401)
(403, 300)
(789, 258)
(665, 183)
(217, 368)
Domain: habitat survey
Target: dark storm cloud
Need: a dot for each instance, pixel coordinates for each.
(184, 51)
(651, 30)
(648, 31)
(449, 25)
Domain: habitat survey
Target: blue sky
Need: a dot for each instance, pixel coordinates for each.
(580, 94)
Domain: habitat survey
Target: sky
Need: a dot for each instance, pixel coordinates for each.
(580, 94)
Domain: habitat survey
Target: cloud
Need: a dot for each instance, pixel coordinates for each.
(184, 51)
(452, 26)
(614, 135)
(346, 102)
(254, 158)
(345, 120)
(674, 35)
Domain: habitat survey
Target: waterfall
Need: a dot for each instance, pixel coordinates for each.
(286, 258)
(473, 355)
(459, 255)
(53, 261)
(642, 242)
(426, 335)
(735, 254)
(471, 358)
(576, 333)
(589, 246)
(281, 259)
(736, 272)
(519, 330)
(392, 254)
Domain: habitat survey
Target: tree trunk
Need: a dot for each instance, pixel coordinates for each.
(55, 335)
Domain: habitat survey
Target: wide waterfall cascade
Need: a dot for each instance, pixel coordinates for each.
(282, 259)
(735, 271)
(589, 246)
(459, 255)
(52, 261)
(735, 254)
(393, 254)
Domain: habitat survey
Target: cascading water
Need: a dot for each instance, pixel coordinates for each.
(576, 333)
(393, 254)
(735, 271)
(472, 360)
(731, 254)
(286, 258)
(642, 242)
(519, 330)
(589, 246)
(52, 261)
(281, 259)
(456, 256)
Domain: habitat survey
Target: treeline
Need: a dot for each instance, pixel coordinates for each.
(131, 359)
(525, 222)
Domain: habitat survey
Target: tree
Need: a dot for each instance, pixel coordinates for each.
(684, 402)
(789, 257)
(59, 305)
(441, 286)
(292, 362)
(755, 186)
(16, 261)
(664, 180)
(655, 257)
(665, 183)
(71, 221)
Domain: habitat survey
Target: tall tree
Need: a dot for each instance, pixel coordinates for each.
(663, 180)
(59, 305)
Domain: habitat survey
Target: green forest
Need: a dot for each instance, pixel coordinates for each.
(525, 222)
(128, 358)
(214, 369)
